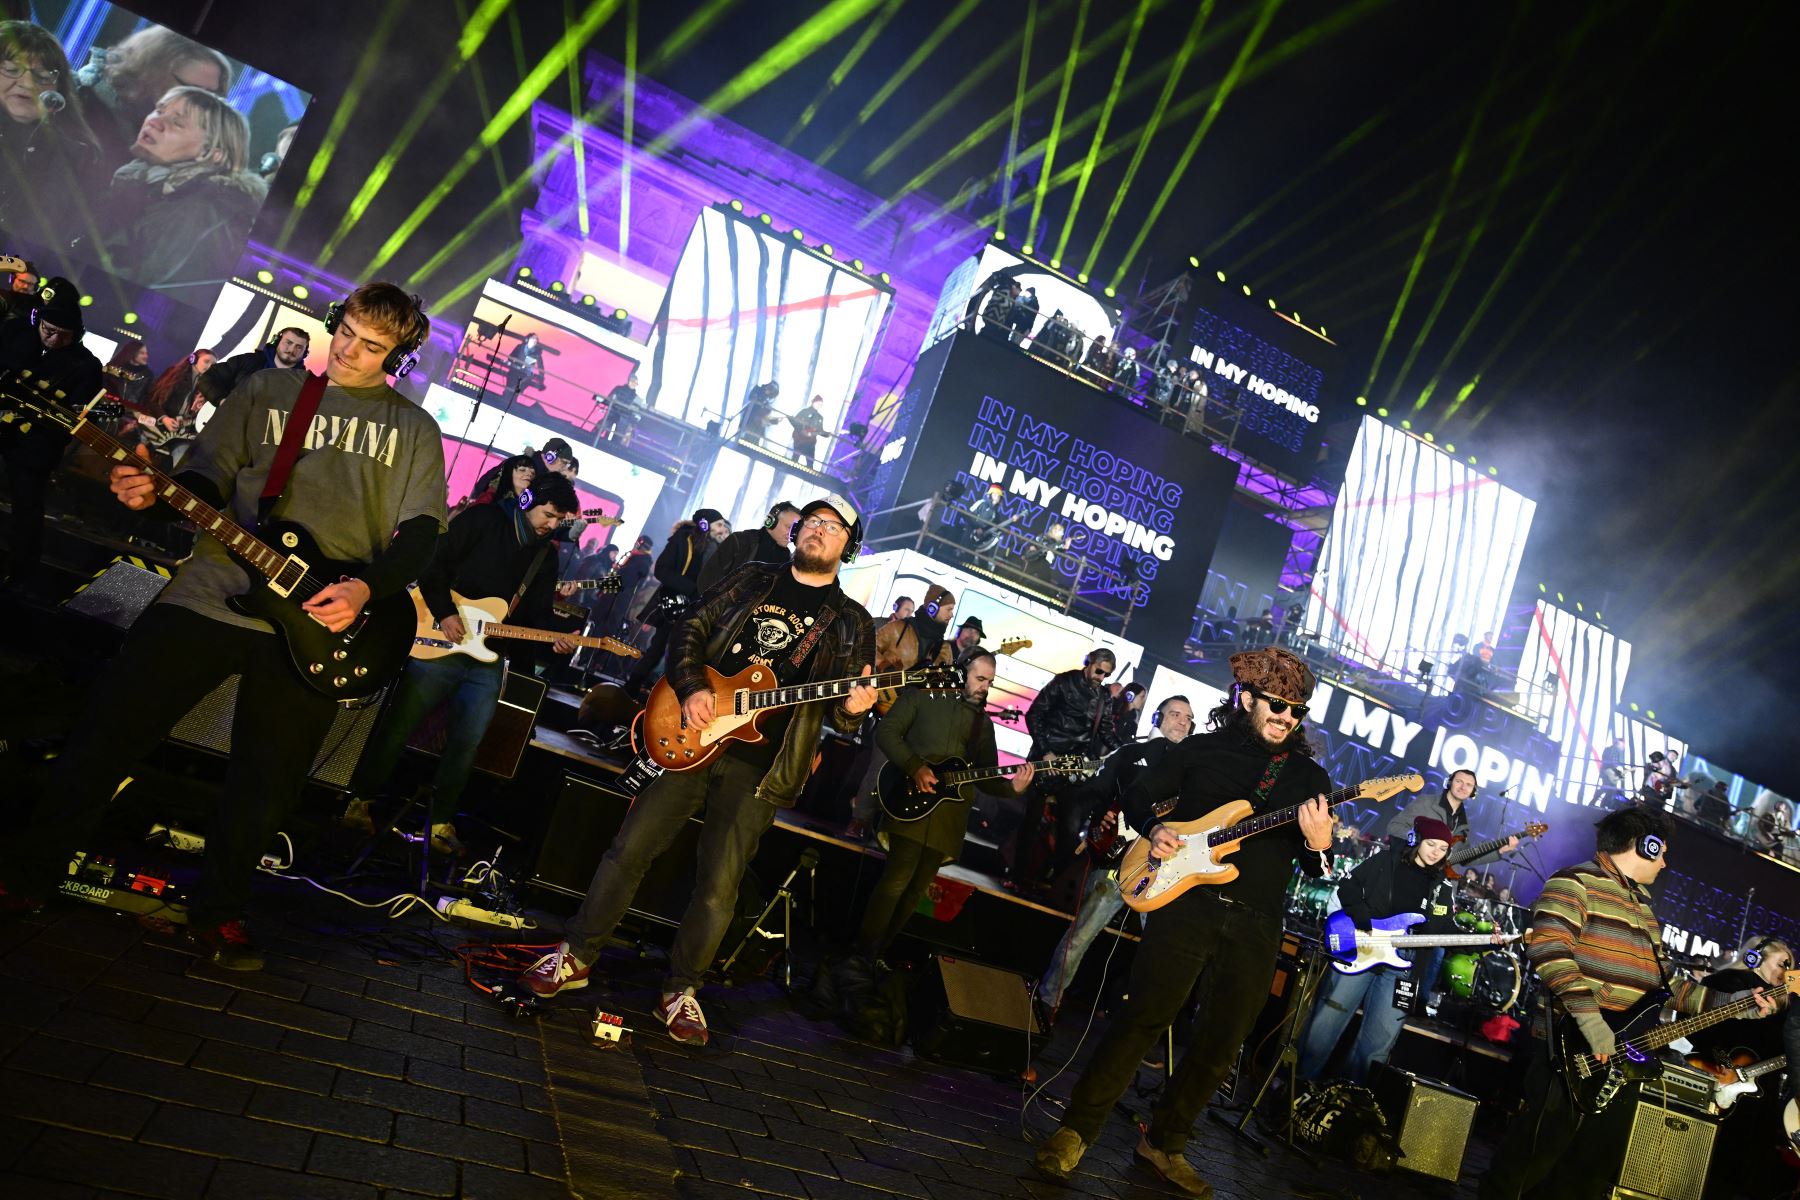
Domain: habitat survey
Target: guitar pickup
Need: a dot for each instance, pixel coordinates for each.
(288, 578)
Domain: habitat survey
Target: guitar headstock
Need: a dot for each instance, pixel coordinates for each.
(26, 398)
(1388, 785)
(1014, 645)
(615, 646)
(938, 680)
(1535, 829)
(610, 584)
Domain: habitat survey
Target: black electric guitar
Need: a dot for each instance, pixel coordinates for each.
(340, 666)
(1593, 1084)
(902, 800)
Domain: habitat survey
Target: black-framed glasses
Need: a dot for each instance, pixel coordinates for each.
(1279, 705)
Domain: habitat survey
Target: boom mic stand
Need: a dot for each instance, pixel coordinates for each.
(487, 377)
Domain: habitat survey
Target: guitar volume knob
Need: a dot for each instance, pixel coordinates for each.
(338, 681)
(315, 669)
(359, 672)
(339, 655)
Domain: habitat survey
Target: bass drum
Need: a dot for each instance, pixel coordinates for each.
(1308, 899)
(1497, 982)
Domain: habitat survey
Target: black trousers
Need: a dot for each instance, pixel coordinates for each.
(650, 666)
(911, 866)
(1073, 805)
(30, 458)
(1225, 954)
(171, 659)
(1552, 1152)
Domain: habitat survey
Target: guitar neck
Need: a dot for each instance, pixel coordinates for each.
(521, 633)
(1756, 1070)
(1280, 816)
(802, 693)
(1463, 854)
(215, 524)
(1412, 940)
(1662, 1035)
(981, 774)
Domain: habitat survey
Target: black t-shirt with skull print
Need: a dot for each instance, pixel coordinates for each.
(770, 634)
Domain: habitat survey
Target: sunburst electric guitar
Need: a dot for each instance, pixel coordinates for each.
(1148, 882)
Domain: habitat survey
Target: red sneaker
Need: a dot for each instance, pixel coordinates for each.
(13, 904)
(681, 1013)
(227, 945)
(557, 971)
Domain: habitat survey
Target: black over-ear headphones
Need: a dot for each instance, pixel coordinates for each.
(1157, 716)
(1754, 955)
(1474, 782)
(1412, 837)
(774, 517)
(1098, 652)
(405, 354)
(1650, 846)
(273, 342)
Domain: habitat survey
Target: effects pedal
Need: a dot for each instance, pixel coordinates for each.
(609, 1027)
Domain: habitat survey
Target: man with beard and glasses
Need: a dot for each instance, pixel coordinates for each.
(798, 622)
(1219, 942)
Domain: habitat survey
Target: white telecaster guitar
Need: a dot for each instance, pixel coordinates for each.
(484, 619)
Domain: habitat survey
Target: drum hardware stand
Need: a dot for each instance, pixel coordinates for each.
(1312, 973)
(784, 896)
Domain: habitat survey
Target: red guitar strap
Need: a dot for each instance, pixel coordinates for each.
(299, 421)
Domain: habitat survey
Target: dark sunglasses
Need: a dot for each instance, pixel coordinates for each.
(1278, 705)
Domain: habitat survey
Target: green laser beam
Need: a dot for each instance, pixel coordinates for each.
(801, 43)
(1012, 138)
(921, 53)
(1106, 111)
(1457, 166)
(1478, 228)
(574, 38)
(952, 100)
(1343, 146)
(1220, 94)
(1062, 102)
(1177, 65)
(1340, 19)
(842, 71)
(374, 56)
(673, 48)
(573, 72)
(627, 134)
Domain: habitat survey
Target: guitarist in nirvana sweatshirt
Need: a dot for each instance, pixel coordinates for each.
(1385, 885)
(502, 550)
(1218, 942)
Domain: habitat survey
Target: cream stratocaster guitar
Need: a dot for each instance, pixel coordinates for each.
(1148, 882)
(484, 619)
(661, 733)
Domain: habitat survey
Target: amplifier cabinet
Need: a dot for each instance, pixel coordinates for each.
(207, 726)
(1667, 1153)
(1431, 1120)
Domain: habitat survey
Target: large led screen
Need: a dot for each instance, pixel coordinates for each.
(1571, 675)
(1058, 641)
(478, 436)
(1269, 380)
(1137, 500)
(535, 357)
(1421, 549)
(245, 318)
(1086, 311)
(747, 307)
(143, 156)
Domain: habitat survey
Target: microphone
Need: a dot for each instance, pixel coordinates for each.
(52, 101)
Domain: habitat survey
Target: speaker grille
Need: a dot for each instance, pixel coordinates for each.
(207, 726)
(1667, 1155)
(1431, 1120)
(989, 994)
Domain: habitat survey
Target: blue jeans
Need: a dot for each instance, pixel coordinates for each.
(1100, 903)
(1339, 997)
(1428, 962)
(472, 691)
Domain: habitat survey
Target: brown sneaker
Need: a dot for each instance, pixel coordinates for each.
(1174, 1169)
(681, 1013)
(557, 971)
(1058, 1154)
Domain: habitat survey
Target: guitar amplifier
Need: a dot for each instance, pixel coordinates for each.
(1431, 1120)
(974, 1015)
(1684, 1086)
(1667, 1154)
(207, 726)
(508, 734)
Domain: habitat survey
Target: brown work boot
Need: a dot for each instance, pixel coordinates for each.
(1059, 1154)
(1174, 1169)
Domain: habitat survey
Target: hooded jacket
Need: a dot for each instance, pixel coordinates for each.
(843, 650)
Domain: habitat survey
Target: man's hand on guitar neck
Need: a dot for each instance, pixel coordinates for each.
(1315, 824)
(861, 698)
(133, 486)
(336, 606)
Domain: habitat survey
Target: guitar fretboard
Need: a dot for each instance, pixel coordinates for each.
(1662, 1035)
(286, 574)
(543, 635)
(1281, 816)
(801, 693)
(977, 774)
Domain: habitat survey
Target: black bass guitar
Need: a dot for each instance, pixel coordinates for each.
(349, 665)
(902, 800)
(1593, 1084)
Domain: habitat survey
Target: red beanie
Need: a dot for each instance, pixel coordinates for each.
(1427, 829)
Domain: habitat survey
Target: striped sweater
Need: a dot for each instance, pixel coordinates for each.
(1594, 945)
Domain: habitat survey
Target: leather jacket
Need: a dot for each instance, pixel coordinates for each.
(843, 650)
(1062, 717)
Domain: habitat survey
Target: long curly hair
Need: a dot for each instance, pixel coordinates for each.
(1228, 716)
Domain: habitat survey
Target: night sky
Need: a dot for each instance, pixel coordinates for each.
(1575, 207)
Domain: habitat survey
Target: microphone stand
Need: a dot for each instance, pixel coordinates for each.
(486, 378)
